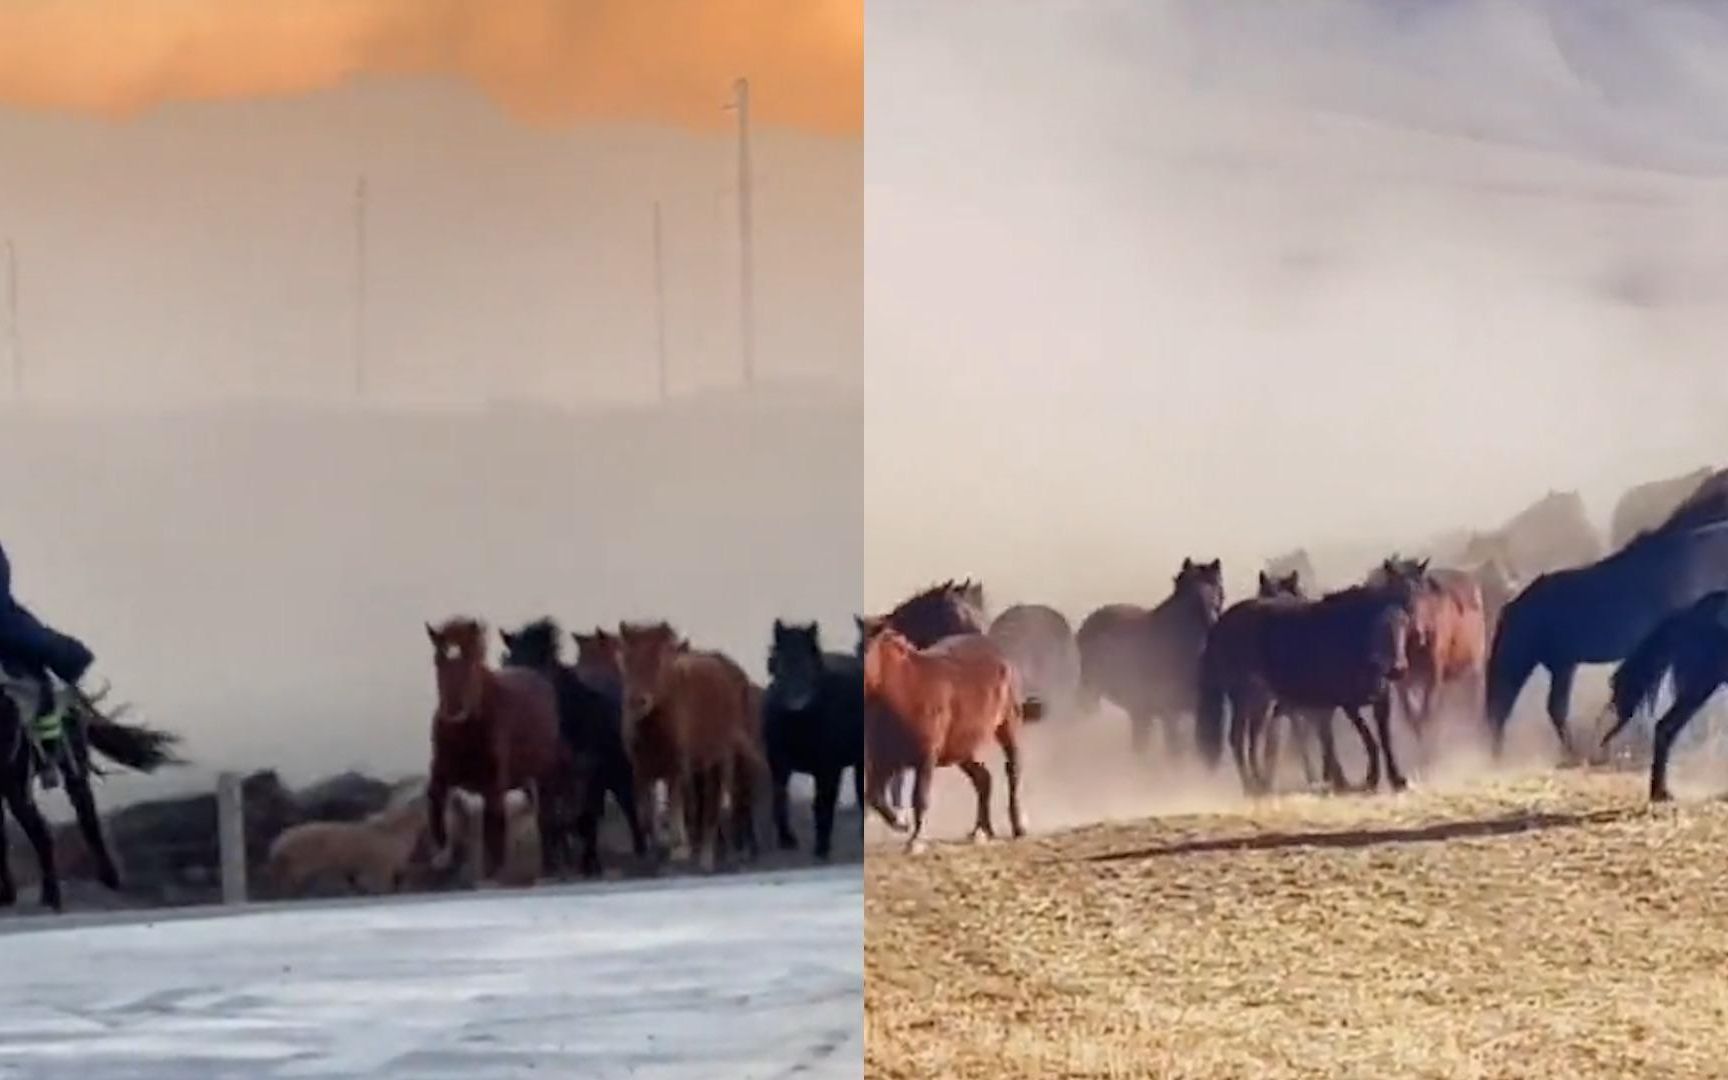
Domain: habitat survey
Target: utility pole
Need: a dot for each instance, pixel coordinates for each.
(746, 227)
(14, 343)
(659, 304)
(359, 343)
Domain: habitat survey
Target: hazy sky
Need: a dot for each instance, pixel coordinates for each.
(1158, 278)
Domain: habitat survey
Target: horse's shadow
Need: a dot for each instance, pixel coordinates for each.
(1506, 825)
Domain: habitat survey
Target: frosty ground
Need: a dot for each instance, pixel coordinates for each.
(747, 976)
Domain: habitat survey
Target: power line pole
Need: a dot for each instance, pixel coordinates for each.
(659, 303)
(359, 343)
(14, 343)
(746, 227)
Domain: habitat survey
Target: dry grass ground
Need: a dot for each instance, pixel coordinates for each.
(1553, 926)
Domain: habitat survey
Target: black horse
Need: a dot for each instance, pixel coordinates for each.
(591, 724)
(1599, 613)
(133, 746)
(1693, 646)
(812, 723)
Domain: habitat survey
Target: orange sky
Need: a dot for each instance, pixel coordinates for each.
(547, 61)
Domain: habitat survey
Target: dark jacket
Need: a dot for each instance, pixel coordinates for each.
(26, 643)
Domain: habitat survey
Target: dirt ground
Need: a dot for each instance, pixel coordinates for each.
(1550, 925)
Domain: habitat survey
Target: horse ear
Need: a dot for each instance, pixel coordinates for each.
(1265, 580)
(1216, 566)
(431, 633)
(779, 627)
(1187, 564)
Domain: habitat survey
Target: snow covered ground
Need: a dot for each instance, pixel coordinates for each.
(737, 977)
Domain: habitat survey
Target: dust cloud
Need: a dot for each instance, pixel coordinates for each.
(251, 544)
(1223, 279)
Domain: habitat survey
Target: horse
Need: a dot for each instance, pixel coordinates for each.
(1040, 644)
(1343, 651)
(1692, 645)
(493, 731)
(369, 856)
(813, 723)
(588, 718)
(599, 660)
(938, 707)
(1448, 637)
(1648, 505)
(939, 611)
(1307, 726)
(88, 730)
(687, 724)
(1147, 662)
(1600, 613)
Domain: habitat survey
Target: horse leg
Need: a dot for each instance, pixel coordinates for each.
(1239, 739)
(1383, 721)
(90, 825)
(1685, 707)
(781, 774)
(827, 798)
(23, 807)
(1331, 769)
(437, 800)
(1559, 703)
(1139, 733)
(1372, 783)
(492, 835)
(648, 815)
(550, 824)
(8, 887)
(875, 793)
(1266, 767)
(623, 788)
(1010, 744)
(920, 803)
(980, 777)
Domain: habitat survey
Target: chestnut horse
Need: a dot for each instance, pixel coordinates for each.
(1344, 651)
(1147, 662)
(494, 732)
(1448, 639)
(937, 707)
(688, 724)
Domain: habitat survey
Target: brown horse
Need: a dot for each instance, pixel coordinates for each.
(494, 732)
(1147, 662)
(937, 707)
(688, 724)
(1344, 651)
(1448, 647)
(1040, 644)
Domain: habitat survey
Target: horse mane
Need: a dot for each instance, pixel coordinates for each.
(1707, 505)
(944, 592)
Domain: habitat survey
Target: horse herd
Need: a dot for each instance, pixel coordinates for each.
(641, 712)
(942, 684)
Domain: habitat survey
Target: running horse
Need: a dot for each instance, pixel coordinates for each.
(494, 731)
(1448, 647)
(1147, 662)
(88, 730)
(938, 707)
(1601, 612)
(812, 722)
(1692, 646)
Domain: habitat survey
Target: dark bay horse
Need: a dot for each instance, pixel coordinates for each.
(1147, 662)
(1599, 613)
(87, 729)
(940, 706)
(689, 724)
(493, 732)
(1040, 644)
(1343, 651)
(590, 721)
(1692, 645)
(812, 723)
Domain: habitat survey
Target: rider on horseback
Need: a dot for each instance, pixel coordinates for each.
(32, 654)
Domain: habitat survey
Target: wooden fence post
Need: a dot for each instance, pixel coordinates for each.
(231, 833)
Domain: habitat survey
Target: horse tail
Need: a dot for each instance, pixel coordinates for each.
(1209, 718)
(1636, 682)
(134, 746)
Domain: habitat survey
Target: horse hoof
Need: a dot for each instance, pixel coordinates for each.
(53, 902)
(1660, 795)
(788, 843)
(110, 878)
(917, 847)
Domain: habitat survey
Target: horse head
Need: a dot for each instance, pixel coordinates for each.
(795, 663)
(459, 660)
(646, 653)
(1275, 586)
(536, 645)
(1202, 584)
